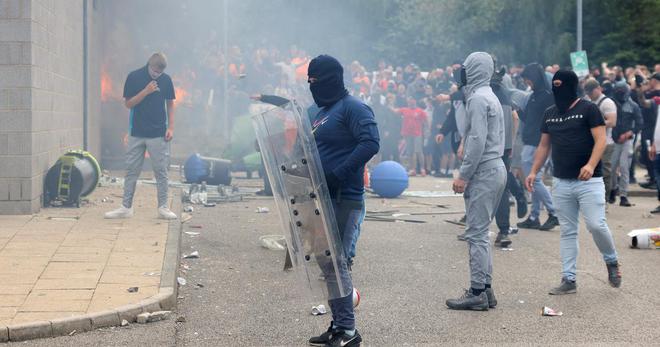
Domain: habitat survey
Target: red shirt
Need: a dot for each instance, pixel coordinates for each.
(413, 121)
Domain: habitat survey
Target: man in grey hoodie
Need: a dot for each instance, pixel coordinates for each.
(482, 176)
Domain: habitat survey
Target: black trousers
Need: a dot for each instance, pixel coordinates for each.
(512, 187)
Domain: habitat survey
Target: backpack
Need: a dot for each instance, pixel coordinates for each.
(617, 130)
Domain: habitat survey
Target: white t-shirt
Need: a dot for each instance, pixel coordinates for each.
(607, 106)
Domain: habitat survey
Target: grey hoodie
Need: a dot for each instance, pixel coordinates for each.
(484, 130)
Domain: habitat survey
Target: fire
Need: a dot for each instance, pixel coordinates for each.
(108, 88)
(181, 96)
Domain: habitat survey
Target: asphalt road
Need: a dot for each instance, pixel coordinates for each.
(405, 272)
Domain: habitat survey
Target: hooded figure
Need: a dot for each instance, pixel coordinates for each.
(565, 89)
(482, 177)
(326, 77)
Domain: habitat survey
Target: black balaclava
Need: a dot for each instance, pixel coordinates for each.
(621, 92)
(565, 89)
(329, 85)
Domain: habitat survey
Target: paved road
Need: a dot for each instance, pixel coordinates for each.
(405, 272)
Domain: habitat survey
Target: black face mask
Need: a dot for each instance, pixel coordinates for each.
(564, 89)
(620, 94)
(460, 77)
(328, 86)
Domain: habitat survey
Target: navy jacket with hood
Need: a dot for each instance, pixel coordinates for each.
(540, 100)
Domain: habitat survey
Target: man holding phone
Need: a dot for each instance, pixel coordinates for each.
(149, 94)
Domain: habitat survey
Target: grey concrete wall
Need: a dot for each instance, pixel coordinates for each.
(41, 99)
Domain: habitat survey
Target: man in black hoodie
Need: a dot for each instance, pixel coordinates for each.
(540, 100)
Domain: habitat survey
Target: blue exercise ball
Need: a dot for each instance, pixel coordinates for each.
(389, 179)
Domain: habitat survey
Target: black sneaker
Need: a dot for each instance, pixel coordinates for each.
(552, 222)
(566, 287)
(469, 301)
(656, 210)
(612, 198)
(624, 202)
(341, 339)
(502, 240)
(492, 300)
(530, 224)
(614, 274)
(648, 185)
(322, 339)
(521, 205)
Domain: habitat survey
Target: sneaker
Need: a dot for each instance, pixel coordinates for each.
(614, 274)
(530, 224)
(412, 173)
(469, 301)
(119, 213)
(656, 210)
(648, 185)
(423, 173)
(624, 202)
(552, 222)
(341, 339)
(492, 300)
(322, 339)
(165, 213)
(612, 198)
(521, 205)
(566, 287)
(461, 237)
(502, 240)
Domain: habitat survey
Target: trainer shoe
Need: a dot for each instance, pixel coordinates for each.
(656, 210)
(122, 212)
(502, 240)
(341, 339)
(322, 339)
(549, 224)
(521, 205)
(648, 185)
(530, 224)
(566, 287)
(624, 201)
(461, 237)
(469, 301)
(612, 198)
(165, 213)
(492, 300)
(614, 274)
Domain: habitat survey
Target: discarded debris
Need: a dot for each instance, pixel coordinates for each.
(273, 242)
(73, 332)
(196, 226)
(185, 217)
(193, 255)
(508, 249)
(210, 204)
(124, 322)
(143, 317)
(547, 311)
(181, 319)
(199, 285)
(191, 233)
(319, 310)
(188, 209)
(262, 210)
(133, 289)
(147, 317)
(182, 281)
(65, 219)
(151, 274)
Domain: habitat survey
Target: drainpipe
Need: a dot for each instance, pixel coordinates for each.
(85, 77)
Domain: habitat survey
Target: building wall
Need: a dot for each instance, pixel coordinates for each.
(41, 95)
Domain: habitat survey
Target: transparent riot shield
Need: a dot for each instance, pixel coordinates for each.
(294, 168)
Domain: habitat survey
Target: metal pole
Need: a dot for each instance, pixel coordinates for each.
(225, 49)
(85, 78)
(579, 25)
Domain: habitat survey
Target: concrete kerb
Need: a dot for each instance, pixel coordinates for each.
(164, 300)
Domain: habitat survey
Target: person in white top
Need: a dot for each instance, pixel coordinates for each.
(607, 107)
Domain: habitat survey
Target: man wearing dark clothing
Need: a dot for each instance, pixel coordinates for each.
(347, 138)
(532, 117)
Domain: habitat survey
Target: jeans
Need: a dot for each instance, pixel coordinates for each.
(606, 164)
(541, 195)
(358, 231)
(482, 196)
(159, 153)
(573, 197)
(512, 187)
(656, 168)
(347, 213)
(621, 159)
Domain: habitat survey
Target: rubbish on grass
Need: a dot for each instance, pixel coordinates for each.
(547, 311)
(645, 238)
(188, 209)
(133, 289)
(193, 255)
(262, 210)
(182, 281)
(319, 310)
(273, 242)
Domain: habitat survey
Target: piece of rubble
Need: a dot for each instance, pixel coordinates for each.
(124, 322)
(133, 289)
(193, 255)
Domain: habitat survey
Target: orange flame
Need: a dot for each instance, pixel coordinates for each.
(181, 96)
(108, 88)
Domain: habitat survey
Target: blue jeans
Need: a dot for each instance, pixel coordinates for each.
(347, 213)
(540, 194)
(571, 197)
(358, 231)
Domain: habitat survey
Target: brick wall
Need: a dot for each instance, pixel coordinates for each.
(41, 98)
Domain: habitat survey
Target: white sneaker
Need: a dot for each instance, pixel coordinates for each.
(165, 213)
(119, 213)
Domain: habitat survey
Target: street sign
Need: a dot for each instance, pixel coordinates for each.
(580, 63)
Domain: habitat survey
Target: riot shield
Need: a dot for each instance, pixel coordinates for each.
(294, 168)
